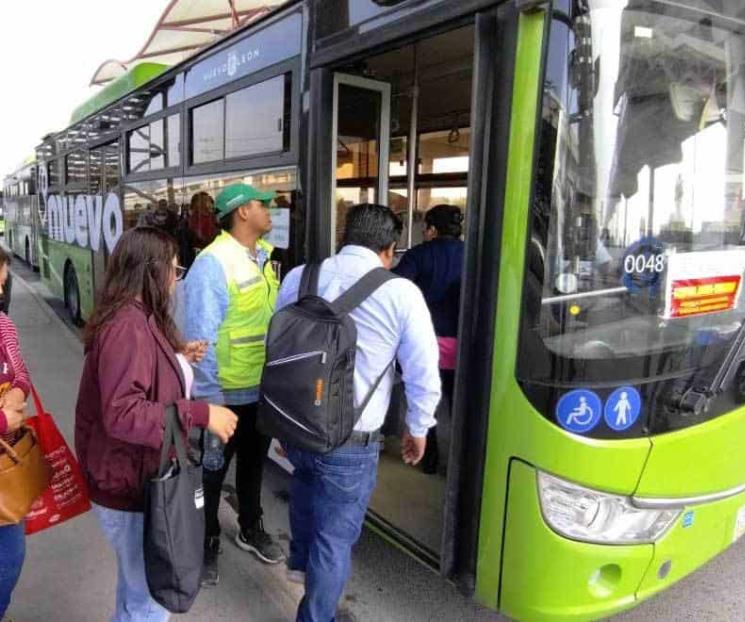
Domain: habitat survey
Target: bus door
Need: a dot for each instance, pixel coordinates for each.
(401, 137)
(360, 144)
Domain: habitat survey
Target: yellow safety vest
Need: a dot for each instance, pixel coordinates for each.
(252, 295)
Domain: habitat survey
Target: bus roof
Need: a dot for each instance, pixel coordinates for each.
(140, 75)
(185, 27)
(136, 77)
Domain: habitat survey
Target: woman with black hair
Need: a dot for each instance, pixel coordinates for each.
(436, 266)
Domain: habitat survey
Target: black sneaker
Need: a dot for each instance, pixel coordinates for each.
(210, 570)
(261, 544)
(429, 463)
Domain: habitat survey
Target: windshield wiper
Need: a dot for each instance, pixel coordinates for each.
(696, 399)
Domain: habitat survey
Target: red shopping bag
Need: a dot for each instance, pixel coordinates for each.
(67, 495)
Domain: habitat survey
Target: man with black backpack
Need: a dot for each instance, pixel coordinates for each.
(332, 347)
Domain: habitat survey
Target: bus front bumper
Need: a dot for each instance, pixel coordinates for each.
(546, 576)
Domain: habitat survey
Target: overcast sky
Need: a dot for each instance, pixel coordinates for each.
(49, 50)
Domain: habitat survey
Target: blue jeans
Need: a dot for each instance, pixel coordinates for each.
(124, 531)
(328, 502)
(12, 552)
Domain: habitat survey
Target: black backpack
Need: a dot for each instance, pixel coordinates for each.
(307, 387)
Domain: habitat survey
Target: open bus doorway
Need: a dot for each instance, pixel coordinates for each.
(401, 137)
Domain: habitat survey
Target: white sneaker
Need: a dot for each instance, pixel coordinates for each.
(295, 576)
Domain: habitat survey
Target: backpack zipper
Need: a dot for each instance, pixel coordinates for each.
(286, 416)
(299, 357)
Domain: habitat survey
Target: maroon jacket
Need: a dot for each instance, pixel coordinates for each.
(130, 376)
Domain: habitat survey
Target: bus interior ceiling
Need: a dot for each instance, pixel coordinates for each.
(440, 68)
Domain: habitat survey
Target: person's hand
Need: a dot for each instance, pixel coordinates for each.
(412, 448)
(13, 399)
(280, 451)
(194, 351)
(222, 422)
(15, 416)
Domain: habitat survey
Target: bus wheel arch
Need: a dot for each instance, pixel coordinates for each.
(72, 293)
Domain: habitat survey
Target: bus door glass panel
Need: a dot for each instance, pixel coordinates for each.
(360, 145)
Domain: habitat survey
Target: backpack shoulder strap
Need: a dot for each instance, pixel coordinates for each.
(361, 408)
(361, 290)
(309, 280)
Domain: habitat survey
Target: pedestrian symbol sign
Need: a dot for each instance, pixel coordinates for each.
(622, 408)
(579, 411)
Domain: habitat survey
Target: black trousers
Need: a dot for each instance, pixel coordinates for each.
(431, 453)
(250, 448)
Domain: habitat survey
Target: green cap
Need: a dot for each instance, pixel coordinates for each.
(235, 195)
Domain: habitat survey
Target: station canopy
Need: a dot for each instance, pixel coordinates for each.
(185, 27)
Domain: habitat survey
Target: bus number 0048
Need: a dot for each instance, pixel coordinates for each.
(635, 264)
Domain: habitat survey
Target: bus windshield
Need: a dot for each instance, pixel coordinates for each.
(636, 254)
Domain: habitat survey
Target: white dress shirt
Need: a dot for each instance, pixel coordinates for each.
(393, 322)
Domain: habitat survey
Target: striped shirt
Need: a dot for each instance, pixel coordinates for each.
(12, 366)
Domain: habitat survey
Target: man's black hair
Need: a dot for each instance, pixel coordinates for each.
(446, 219)
(373, 226)
(226, 222)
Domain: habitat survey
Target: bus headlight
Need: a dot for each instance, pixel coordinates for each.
(589, 515)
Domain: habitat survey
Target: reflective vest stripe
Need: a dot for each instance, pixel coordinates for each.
(248, 283)
(254, 339)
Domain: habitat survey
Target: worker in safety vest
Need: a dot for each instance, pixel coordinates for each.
(230, 294)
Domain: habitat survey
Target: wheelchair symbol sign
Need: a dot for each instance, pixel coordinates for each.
(623, 408)
(579, 411)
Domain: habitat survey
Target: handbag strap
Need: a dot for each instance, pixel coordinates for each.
(172, 436)
(8, 449)
(37, 402)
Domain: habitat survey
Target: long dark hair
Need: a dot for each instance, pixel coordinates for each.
(140, 267)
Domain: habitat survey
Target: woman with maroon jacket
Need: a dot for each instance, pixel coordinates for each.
(14, 388)
(135, 367)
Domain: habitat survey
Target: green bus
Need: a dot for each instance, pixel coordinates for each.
(20, 223)
(592, 455)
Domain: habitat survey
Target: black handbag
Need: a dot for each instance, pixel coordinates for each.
(174, 524)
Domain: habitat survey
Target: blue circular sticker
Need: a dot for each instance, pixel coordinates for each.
(579, 411)
(622, 408)
(644, 263)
